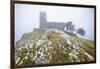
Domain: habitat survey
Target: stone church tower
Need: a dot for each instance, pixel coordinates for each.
(44, 24)
(43, 20)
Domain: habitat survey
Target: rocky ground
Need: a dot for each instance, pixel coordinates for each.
(52, 46)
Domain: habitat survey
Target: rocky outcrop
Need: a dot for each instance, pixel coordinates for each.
(50, 46)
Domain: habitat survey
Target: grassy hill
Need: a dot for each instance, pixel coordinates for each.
(53, 47)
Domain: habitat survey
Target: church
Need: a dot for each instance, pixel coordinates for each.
(44, 24)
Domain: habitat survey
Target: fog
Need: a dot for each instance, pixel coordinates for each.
(27, 18)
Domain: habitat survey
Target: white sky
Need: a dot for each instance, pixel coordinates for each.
(27, 18)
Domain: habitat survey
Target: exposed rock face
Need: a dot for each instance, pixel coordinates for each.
(50, 46)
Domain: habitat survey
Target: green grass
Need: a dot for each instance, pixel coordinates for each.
(71, 34)
(55, 38)
(87, 45)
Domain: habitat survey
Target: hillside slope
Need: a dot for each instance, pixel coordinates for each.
(52, 47)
